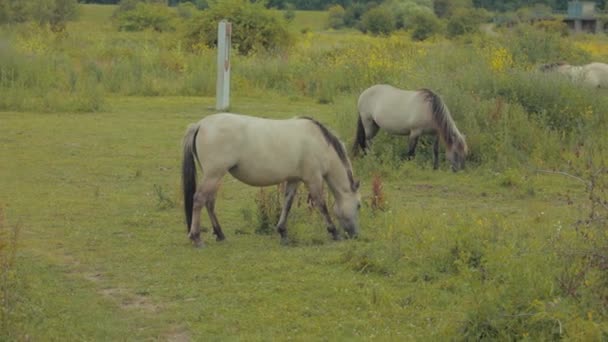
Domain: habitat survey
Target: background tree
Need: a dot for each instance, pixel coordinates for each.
(446, 8)
(336, 16)
(53, 12)
(424, 24)
(254, 28)
(378, 20)
(466, 20)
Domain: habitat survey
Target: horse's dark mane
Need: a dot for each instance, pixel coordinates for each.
(337, 146)
(443, 119)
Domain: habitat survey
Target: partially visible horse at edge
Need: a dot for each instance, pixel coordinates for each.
(594, 75)
(264, 152)
(413, 113)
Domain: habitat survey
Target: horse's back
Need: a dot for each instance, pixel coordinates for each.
(396, 110)
(597, 74)
(257, 151)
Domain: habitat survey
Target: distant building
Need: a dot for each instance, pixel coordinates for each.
(582, 17)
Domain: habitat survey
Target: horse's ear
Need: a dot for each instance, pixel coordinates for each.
(356, 185)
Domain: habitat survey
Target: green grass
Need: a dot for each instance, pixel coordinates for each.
(100, 258)
(89, 176)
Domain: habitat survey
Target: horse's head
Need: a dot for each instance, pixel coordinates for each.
(549, 67)
(457, 154)
(347, 208)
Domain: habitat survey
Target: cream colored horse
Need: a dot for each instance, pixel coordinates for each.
(263, 152)
(593, 74)
(413, 113)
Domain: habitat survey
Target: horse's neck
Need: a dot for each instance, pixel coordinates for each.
(450, 131)
(575, 71)
(337, 178)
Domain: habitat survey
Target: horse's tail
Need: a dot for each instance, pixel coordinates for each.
(189, 172)
(359, 137)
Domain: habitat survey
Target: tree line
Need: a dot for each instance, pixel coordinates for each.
(490, 5)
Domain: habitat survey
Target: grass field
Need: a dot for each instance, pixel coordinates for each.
(93, 192)
(104, 256)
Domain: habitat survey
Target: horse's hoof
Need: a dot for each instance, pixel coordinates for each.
(198, 243)
(285, 241)
(336, 237)
(196, 239)
(220, 238)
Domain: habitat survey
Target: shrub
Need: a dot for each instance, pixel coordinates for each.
(336, 17)
(201, 4)
(446, 8)
(584, 245)
(254, 27)
(465, 21)
(53, 12)
(424, 25)
(378, 200)
(186, 10)
(146, 16)
(289, 14)
(553, 26)
(378, 20)
(353, 14)
(530, 45)
(268, 210)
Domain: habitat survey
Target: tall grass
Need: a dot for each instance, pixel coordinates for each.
(8, 277)
(510, 113)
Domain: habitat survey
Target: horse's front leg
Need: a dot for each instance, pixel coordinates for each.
(290, 192)
(371, 130)
(436, 153)
(411, 147)
(317, 197)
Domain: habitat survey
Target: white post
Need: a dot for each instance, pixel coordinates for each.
(222, 90)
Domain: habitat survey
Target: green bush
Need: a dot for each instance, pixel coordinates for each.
(186, 10)
(290, 12)
(353, 14)
(530, 45)
(147, 16)
(465, 21)
(424, 25)
(336, 17)
(268, 203)
(53, 12)
(446, 8)
(254, 27)
(378, 20)
(550, 26)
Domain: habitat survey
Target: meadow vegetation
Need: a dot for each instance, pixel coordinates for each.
(92, 116)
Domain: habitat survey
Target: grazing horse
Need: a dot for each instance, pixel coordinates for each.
(404, 112)
(264, 152)
(594, 75)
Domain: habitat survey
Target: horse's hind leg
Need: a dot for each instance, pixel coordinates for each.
(290, 193)
(317, 197)
(205, 197)
(217, 229)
